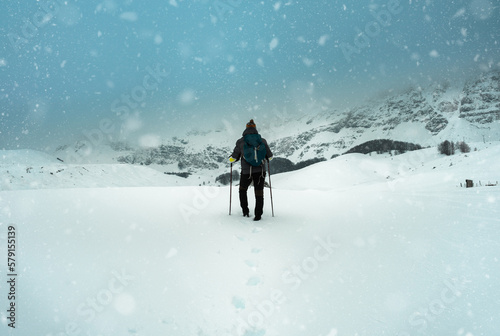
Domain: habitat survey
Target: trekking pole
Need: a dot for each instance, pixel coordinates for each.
(270, 188)
(230, 188)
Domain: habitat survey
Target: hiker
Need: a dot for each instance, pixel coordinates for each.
(253, 150)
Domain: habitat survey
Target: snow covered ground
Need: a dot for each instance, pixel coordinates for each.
(30, 169)
(359, 245)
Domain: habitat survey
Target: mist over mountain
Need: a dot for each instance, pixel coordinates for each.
(417, 116)
(159, 69)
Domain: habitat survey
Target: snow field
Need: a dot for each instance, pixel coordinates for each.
(360, 245)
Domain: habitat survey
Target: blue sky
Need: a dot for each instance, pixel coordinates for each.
(163, 66)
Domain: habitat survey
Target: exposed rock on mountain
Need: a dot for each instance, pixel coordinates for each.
(208, 158)
(481, 101)
(425, 116)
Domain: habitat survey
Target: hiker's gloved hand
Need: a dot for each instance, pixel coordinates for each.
(231, 159)
(269, 159)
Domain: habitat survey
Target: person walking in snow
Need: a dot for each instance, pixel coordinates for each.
(252, 149)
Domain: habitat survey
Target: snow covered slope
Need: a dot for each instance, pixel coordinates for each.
(359, 245)
(425, 167)
(28, 169)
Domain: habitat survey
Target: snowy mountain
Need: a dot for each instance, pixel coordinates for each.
(424, 116)
(468, 111)
(481, 100)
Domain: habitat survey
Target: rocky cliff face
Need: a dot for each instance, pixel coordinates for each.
(432, 109)
(418, 115)
(412, 106)
(481, 101)
(206, 158)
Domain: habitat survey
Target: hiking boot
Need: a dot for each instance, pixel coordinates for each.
(259, 204)
(257, 218)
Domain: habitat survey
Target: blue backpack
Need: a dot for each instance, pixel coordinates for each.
(254, 150)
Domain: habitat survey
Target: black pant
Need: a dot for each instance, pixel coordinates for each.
(258, 185)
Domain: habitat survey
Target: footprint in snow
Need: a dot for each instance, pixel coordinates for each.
(240, 238)
(256, 250)
(253, 332)
(250, 263)
(238, 302)
(257, 230)
(253, 281)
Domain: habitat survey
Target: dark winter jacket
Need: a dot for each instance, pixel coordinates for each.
(238, 150)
